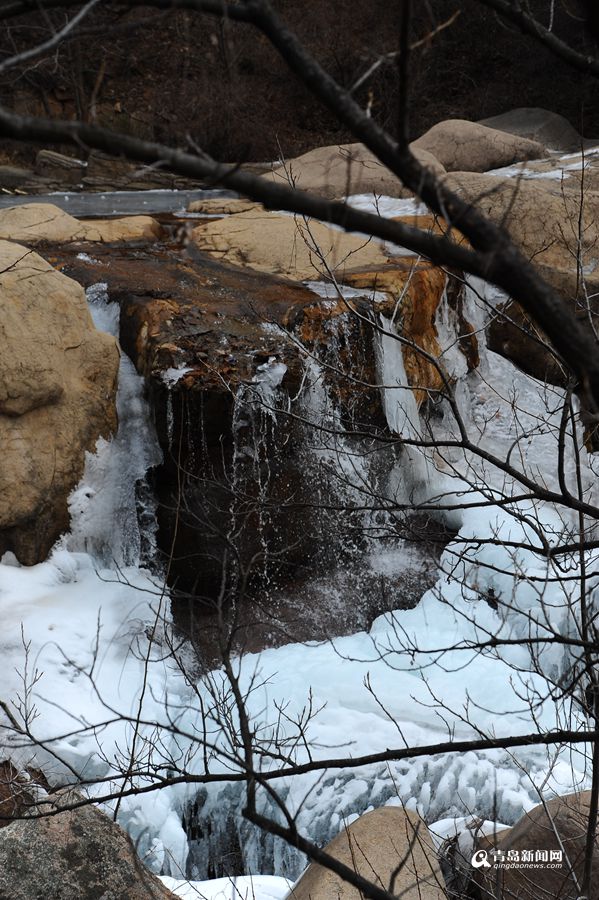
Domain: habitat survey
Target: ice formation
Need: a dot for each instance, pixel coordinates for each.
(86, 640)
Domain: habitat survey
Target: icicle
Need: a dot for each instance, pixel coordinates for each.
(104, 506)
(170, 419)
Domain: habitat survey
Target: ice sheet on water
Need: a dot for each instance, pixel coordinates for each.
(354, 722)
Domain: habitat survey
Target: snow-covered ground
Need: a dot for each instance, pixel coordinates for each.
(94, 623)
(248, 887)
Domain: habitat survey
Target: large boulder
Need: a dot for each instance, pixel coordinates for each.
(121, 230)
(543, 218)
(286, 245)
(58, 378)
(34, 223)
(552, 837)
(345, 169)
(547, 128)
(546, 221)
(292, 246)
(374, 846)
(462, 146)
(73, 855)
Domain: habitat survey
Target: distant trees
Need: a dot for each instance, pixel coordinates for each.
(215, 79)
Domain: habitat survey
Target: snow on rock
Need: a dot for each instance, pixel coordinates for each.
(174, 374)
(387, 206)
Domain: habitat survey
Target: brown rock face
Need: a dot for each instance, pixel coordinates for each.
(18, 791)
(73, 855)
(373, 846)
(35, 223)
(200, 330)
(192, 311)
(415, 290)
(57, 396)
(559, 825)
(204, 333)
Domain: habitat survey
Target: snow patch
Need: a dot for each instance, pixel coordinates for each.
(389, 207)
(174, 374)
(330, 291)
(244, 887)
